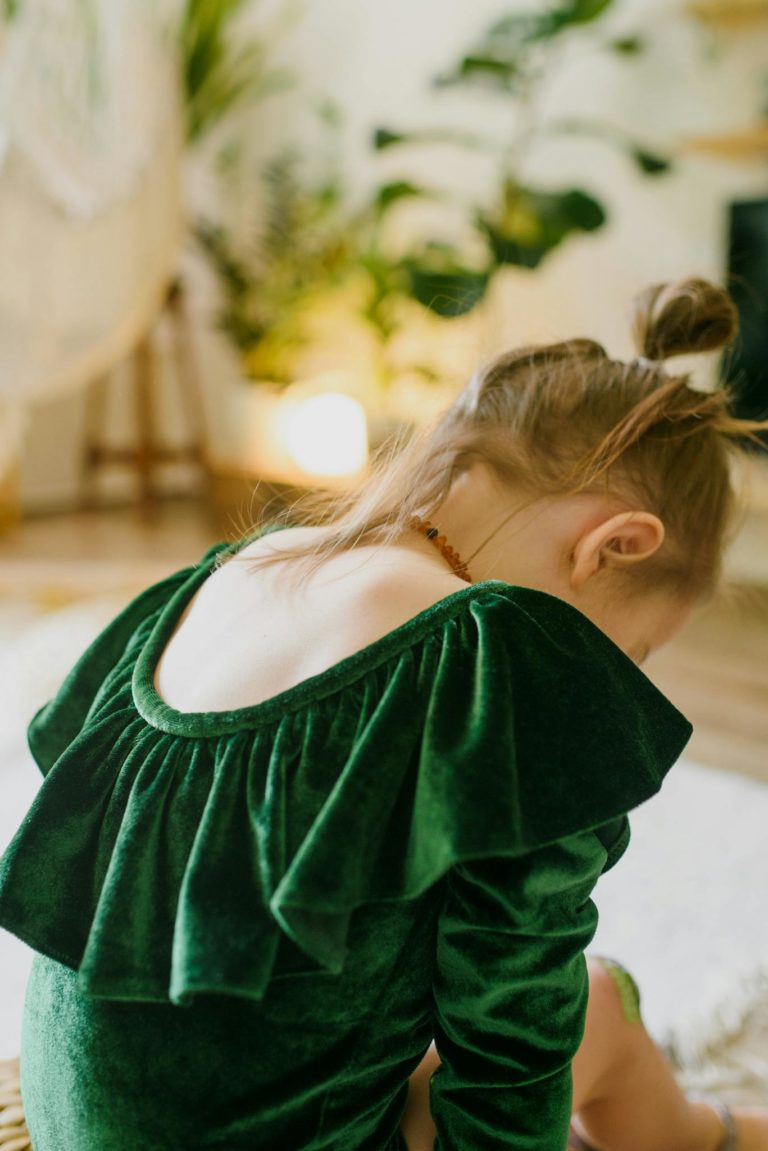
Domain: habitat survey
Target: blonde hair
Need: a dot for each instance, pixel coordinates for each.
(561, 419)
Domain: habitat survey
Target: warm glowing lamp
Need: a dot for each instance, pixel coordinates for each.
(327, 434)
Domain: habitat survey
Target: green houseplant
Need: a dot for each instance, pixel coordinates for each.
(314, 240)
(220, 66)
(313, 236)
(514, 59)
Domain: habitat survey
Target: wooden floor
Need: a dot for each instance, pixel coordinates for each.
(715, 671)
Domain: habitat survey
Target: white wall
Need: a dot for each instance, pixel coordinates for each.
(376, 61)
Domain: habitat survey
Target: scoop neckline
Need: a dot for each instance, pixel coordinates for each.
(159, 714)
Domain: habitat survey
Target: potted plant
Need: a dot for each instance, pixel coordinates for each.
(514, 60)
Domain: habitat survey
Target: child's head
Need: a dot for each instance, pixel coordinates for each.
(565, 420)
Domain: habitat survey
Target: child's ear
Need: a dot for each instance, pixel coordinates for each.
(620, 541)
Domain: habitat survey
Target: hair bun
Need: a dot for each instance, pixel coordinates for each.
(685, 316)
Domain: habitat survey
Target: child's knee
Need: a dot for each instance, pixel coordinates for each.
(612, 988)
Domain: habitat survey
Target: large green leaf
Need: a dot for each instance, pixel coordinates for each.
(650, 163)
(385, 138)
(580, 210)
(502, 58)
(488, 70)
(627, 45)
(534, 223)
(219, 70)
(447, 294)
(517, 30)
(388, 194)
(439, 280)
(585, 11)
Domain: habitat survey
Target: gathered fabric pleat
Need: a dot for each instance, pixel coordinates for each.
(161, 862)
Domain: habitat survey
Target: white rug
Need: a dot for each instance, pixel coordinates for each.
(37, 649)
(685, 909)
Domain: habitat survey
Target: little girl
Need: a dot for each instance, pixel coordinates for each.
(324, 811)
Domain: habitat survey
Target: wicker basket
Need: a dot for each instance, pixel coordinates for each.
(13, 1130)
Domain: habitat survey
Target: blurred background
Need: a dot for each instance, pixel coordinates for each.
(243, 241)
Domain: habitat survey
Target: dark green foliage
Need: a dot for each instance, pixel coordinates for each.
(535, 222)
(386, 138)
(236, 281)
(512, 58)
(501, 58)
(219, 69)
(232, 273)
(650, 163)
(447, 294)
(439, 281)
(627, 45)
(398, 190)
(308, 241)
(383, 138)
(580, 210)
(312, 239)
(582, 11)
(486, 70)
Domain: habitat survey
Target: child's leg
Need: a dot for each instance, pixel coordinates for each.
(416, 1124)
(625, 1096)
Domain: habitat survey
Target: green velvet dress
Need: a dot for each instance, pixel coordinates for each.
(250, 924)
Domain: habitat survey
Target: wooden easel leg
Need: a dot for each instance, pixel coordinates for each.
(92, 452)
(148, 452)
(190, 386)
(145, 453)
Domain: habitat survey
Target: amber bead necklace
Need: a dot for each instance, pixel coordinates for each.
(440, 542)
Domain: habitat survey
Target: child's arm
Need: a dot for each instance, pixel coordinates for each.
(511, 990)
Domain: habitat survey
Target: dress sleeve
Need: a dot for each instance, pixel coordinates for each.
(510, 995)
